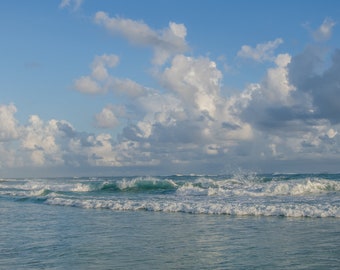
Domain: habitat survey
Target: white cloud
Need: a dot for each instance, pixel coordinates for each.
(100, 64)
(40, 140)
(100, 81)
(268, 103)
(101, 153)
(293, 112)
(276, 86)
(195, 81)
(56, 143)
(135, 31)
(331, 133)
(127, 87)
(93, 150)
(324, 32)
(97, 82)
(9, 129)
(166, 42)
(10, 132)
(8, 157)
(157, 109)
(193, 115)
(86, 84)
(106, 118)
(191, 123)
(262, 52)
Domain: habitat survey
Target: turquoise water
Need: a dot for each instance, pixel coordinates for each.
(175, 222)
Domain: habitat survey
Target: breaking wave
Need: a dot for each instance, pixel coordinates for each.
(256, 195)
(194, 207)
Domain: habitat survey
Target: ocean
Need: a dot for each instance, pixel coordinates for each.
(240, 221)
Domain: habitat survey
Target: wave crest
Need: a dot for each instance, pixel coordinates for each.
(233, 209)
(138, 184)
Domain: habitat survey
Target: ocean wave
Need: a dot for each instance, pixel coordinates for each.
(279, 195)
(236, 187)
(138, 184)
(43, 187)
(234, 209)
(198, 186)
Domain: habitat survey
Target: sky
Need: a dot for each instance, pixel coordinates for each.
(113, 87)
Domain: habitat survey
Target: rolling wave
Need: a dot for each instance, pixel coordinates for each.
(264, 195)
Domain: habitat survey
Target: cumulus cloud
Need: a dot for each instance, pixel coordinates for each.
(8, 158)
(87, 85)
(101, 63)
(127, 87)
(56, 143)
(293, 110)
(276, 86)
(191, 120)
(97, 81)
(106, 118)
(165, 43)
(92, 150)
(52, 143)
(324, 32)
(323, 87)
(195, 81)
(9, 129)
(275, 104)
(39, 139)
(101, 81)
(262, 52)
(291, 113)
(188, 121)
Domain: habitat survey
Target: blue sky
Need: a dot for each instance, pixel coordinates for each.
(161, 87)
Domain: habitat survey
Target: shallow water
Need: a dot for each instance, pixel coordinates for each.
(37, 236)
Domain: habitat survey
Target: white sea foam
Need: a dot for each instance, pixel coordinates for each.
(237, 209)
(191, 189)
(282, 196)
(79, 187)
(258, 189)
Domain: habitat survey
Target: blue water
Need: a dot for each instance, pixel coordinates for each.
(173, 222)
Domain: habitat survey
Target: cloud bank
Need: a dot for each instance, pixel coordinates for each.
(189, 122)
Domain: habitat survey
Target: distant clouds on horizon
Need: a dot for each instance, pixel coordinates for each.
(188, 122)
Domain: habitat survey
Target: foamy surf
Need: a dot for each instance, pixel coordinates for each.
(191, 207)
(255, 195)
